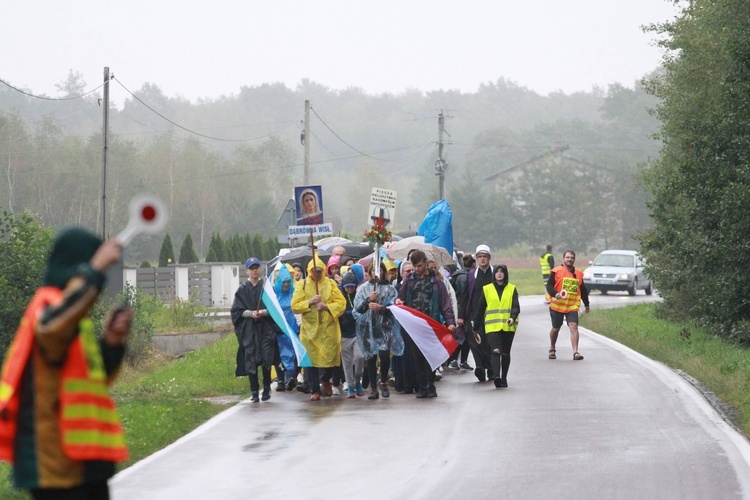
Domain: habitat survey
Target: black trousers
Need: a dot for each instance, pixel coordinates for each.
(424, 373)
(385, 364)
(254, 382)
(502, 341)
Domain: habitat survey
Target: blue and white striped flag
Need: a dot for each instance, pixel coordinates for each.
(274, 309)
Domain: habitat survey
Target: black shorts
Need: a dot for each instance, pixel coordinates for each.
(557, 318)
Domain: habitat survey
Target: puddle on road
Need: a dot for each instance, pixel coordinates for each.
(271, 442)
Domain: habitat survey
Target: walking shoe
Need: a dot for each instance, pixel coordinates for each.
(360, 390)
(479, 373)
(432, 392)
(374, 394)
(315, 396)
(352, 393)
(422, 393)
(384, 389)
(280, 387)
(503, 382)
(498, 381)
(336, 391)
(291, 384)
(325, 388)
(304, 387)
(466, 366)
(254, 397)
(438, 375)
(453, 365)
(267, 393)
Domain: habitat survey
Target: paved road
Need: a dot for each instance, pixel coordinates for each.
(616, 425)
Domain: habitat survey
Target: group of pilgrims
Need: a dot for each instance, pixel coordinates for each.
(340, 313)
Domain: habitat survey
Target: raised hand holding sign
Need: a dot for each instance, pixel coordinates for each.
(147, 215)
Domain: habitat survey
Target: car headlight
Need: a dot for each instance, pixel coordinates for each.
(586, 275)
(624, 276)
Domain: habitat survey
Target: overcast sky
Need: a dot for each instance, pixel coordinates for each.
(205, 49)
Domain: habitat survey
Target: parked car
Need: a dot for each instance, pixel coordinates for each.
(621, 270)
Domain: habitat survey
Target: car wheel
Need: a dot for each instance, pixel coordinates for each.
(604, 292)
(632, 289)
(650, 288)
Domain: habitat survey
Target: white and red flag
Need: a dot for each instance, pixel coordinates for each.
(432, 338)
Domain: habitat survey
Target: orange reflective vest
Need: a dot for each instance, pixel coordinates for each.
(565, 280)
(89, 425)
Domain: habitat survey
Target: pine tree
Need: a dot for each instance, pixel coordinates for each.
(166, 254)
(187, 252)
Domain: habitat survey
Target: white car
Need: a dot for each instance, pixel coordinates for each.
(621, 270)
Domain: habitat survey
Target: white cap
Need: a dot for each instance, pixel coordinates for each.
(483, 249)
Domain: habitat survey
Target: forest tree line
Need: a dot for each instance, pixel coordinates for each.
(231, 164)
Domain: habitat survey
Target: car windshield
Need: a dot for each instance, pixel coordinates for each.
(614, 260)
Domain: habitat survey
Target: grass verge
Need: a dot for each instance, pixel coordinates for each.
(720, 367)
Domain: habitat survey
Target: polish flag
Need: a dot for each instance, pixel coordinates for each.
(434, 339)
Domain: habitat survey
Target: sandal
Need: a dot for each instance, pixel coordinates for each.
(552, 354)
(577, 356)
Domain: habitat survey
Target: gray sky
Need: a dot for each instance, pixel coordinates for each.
(205, 49)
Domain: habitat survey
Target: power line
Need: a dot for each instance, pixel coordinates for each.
(193, 131)
(45, 98)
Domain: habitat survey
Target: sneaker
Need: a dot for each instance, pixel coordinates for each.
(384, 389)
(315, 396)
(254, 397)
(422, 393)
(438, 375)
(454, 365)
(336, 391)
(304, 387)
(374, 394)
(267, 393)
(503, 382)
(432, 392)
(498, 382)
(326, 389)
(280, 387)
(352, 394)
(479, 373)
(291, 384)
(360, 390)
(466, 366)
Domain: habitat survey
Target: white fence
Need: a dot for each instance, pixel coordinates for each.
(212, 285)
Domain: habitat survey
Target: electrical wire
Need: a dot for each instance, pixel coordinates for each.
(289, 124)
(45, 98)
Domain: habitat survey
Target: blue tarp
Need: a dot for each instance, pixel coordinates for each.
(437, 226)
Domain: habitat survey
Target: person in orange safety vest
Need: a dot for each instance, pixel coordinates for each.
(59, 426)
(565, 286)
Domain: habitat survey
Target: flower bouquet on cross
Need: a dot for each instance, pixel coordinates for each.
(378, 233)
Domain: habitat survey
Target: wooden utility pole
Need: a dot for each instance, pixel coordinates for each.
(441, 165)
(105, 130)
(306, 143)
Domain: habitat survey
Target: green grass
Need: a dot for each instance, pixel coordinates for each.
(721, 367)
(527, 281)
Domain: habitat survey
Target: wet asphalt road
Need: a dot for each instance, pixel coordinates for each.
(615, 425)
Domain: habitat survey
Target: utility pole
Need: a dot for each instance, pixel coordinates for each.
(441, 165)
(105, 130)
(306, 142)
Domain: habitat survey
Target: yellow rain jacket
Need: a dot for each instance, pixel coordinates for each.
(320, 332)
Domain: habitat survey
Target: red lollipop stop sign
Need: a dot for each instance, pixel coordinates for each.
(147, 215)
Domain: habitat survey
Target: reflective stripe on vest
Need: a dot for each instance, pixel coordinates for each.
(564, 280)
(544, 264)
(498, 309)
(89, 422)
